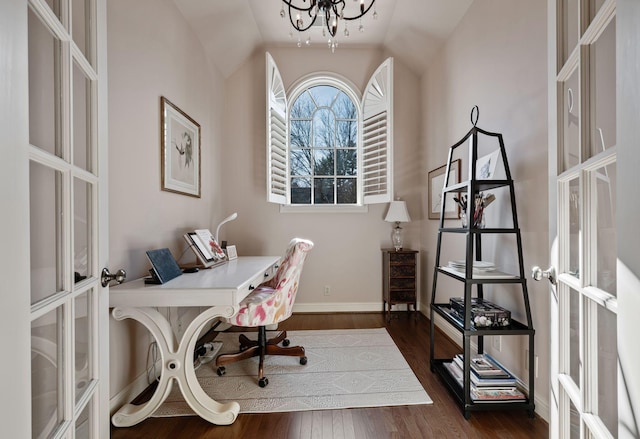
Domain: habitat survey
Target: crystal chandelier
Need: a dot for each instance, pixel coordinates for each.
(303, 14)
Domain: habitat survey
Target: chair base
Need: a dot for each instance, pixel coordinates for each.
(259, 348)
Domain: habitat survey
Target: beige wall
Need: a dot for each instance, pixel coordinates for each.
(496, 59)
(347, 253)
(152, 53)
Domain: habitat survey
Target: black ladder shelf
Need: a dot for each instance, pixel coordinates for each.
(472, 187)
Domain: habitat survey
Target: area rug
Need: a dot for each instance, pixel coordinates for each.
(346, 368)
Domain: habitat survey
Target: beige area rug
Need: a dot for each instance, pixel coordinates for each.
(347, 368)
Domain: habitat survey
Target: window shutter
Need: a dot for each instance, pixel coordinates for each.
(377, 136)
(277, 165)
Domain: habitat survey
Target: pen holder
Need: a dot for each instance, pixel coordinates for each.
(479, 222)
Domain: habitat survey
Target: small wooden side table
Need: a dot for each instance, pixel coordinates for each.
(399, 279)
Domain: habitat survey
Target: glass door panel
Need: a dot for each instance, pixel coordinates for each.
(570, 111)
(575, 228)
(46, 373)
(46, 231)
(574, 422)
(607, 365)
(81, 119)
(570, 25)
(83, 337)
(606, 241)
(594, 7)
(602, 62)
(81, 229)
(84, 422)
(44, 88)
(81, 11)
(574, 336)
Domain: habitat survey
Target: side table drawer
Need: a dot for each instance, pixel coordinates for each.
(400, 283)
(403, 271)
(402, 258)
(403, 295)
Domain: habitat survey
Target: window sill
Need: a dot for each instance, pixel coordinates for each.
(323, 208)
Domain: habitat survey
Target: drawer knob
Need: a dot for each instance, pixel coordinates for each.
(251, 287)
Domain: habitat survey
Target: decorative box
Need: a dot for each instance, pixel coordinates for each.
(483, 313)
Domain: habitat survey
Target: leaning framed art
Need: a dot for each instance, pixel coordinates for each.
(180, 150)
(436, 184)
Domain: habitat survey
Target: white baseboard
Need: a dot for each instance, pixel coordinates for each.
(338, 307)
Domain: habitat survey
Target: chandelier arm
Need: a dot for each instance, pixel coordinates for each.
(298, 8)
(293, 23)
(327, 17)
(362, 14)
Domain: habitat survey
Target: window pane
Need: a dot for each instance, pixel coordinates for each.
(44, 103)
(594, 7)
(347, 191)
(347, 163)
(607, 367)
(571, 129)
(603, 77)
(81, 229)
(347, 133)
(606, 245)
(46, 373)
(84, 422)
(81, 119)
(300, 191)
(575, 228)
(46, 230)
(569, 21)
(301, 162)
(324, 126)
(574, 422)
(344, 107)
(300, 133)
(323, 189)
(303, 107)
(323, 162)
(82, 342)
(80, 27)
(574, 336)
(55, 6)
(324, 95)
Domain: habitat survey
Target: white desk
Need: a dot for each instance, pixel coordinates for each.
(221, 289)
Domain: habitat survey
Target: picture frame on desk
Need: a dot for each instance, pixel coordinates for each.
(180, 150)
(232, 253)
(436, 184)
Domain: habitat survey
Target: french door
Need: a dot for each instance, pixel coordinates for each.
(67, 217)
(583, 159)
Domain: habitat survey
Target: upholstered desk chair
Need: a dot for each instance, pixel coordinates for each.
(270, 303)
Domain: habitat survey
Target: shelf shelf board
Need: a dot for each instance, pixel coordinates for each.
(480, 185)
(438, 365)
(515, 328)
(494, 276)
(480, 231)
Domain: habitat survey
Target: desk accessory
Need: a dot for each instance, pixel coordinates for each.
(164, 266)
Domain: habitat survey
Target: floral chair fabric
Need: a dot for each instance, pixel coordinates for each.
(272, 301)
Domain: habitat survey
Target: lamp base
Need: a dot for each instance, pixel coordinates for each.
(396, 237)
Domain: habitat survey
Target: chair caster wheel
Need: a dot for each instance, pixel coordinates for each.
(286, 342)
(303, 360)
(221, 371)
(262, 382)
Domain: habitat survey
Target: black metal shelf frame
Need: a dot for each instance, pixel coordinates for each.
(474, 248)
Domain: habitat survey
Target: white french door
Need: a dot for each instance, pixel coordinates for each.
(67, 217)
(583, 158)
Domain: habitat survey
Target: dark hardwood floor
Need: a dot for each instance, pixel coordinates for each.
(442, 419)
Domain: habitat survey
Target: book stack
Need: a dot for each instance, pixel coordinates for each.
(490, 382)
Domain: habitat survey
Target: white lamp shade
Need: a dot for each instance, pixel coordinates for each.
(397, 212)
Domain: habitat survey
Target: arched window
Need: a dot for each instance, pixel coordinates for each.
(326, 146)
(323, 145)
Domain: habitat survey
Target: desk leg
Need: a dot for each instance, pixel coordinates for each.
(177, 364)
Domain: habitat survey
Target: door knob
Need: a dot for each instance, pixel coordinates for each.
(538, 273)
(107, 277)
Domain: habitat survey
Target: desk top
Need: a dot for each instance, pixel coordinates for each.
(225, 284)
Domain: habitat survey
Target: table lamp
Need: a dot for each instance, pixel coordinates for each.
(231, 217)
(397, 213)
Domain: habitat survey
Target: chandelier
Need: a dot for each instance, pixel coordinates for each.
(304, 14)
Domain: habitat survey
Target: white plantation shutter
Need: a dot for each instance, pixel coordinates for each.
(377, 136)
(277, 162)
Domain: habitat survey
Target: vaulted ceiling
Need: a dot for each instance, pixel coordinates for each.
(411, 30)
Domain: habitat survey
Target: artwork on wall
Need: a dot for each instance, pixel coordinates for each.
(436, 183)
(180, 150)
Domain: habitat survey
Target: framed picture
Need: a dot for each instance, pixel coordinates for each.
(436, 184)
(232, 253)
(180, 150)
